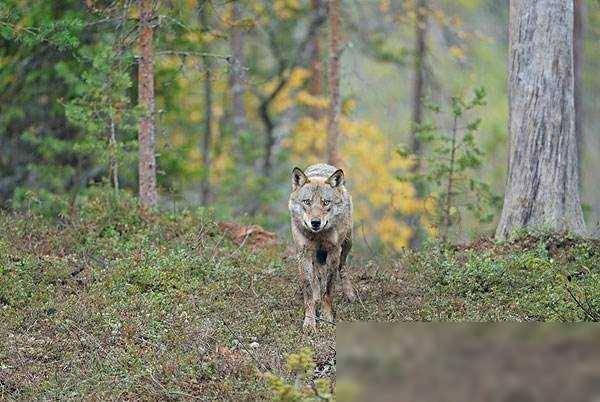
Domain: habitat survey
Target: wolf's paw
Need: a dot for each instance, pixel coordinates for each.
(328, 316)
(309, 324)
(349, 292)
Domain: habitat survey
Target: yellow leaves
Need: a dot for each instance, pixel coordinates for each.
(349, 106)
(439, 16)
(193, 37)
(285, 9)
(298, 76)
(456, 22)
(169, 61)
(394, 233)
(457, 53)
(285, 99)
(195, 116)
(308, 140)
(307, 99)
(373, 167)
(384, 6)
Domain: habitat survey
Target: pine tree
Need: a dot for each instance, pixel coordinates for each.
(147, 133)
(542, 185)
(333, 122)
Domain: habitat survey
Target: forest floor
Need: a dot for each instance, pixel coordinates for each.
(105, 302)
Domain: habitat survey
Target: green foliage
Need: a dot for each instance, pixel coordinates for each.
(301, 366)
(62, 33)
(40, 202)
(167, 296)
(534, 277)
(452, 163)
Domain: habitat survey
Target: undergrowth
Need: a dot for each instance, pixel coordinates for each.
(106, 300)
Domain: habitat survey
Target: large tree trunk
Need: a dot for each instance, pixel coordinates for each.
(333, 123)
(146, 138)
(578, 58)
(238, 76)
(205, 147)
(542, 184)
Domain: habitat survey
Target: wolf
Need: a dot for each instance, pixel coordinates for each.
(321, 214)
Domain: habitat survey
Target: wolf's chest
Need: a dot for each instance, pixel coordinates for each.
(322, 273)
(320, 255)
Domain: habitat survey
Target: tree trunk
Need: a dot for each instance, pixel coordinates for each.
(578, 58)
(333, 123)
(113, 165)
(418, 77)
(542, 183)
(417, 104)
(238, 75)
(205, 147)
(316, 68)
(147, 158)
(263, 111)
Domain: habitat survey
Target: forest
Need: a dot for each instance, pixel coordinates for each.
(147, 155)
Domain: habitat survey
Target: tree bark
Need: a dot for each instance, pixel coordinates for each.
(205, 147)
(113, 165)
(147, 131)
(316, 67)
(418, 78)
(542, 184)
(263, 111)
(578, 58)
(333, 122)
(417, 105)
(238, 75)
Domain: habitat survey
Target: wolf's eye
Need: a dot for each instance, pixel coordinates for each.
(306, 202)
(326, 203)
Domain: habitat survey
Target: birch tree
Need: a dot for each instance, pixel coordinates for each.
(542, 183)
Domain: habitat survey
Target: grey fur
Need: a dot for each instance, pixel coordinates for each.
(320, 193)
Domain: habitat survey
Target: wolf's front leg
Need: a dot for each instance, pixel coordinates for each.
(347, 287)
(332, 263)
(308, 290)
(328, 299)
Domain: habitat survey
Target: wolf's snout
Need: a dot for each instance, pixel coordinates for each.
(315, 223)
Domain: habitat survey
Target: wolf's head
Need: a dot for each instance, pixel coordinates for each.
(316, 201)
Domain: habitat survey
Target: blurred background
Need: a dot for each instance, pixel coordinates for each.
(475, 362)
(241, 97)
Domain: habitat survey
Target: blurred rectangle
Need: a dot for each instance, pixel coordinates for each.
(492, 362)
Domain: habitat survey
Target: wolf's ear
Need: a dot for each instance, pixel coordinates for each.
(336, 179)
(298, 178)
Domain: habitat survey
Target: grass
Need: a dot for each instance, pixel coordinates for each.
(110, 302)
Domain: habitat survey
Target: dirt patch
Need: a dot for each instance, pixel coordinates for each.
(252, 236)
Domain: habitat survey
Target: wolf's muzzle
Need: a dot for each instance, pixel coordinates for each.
(315, 223)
